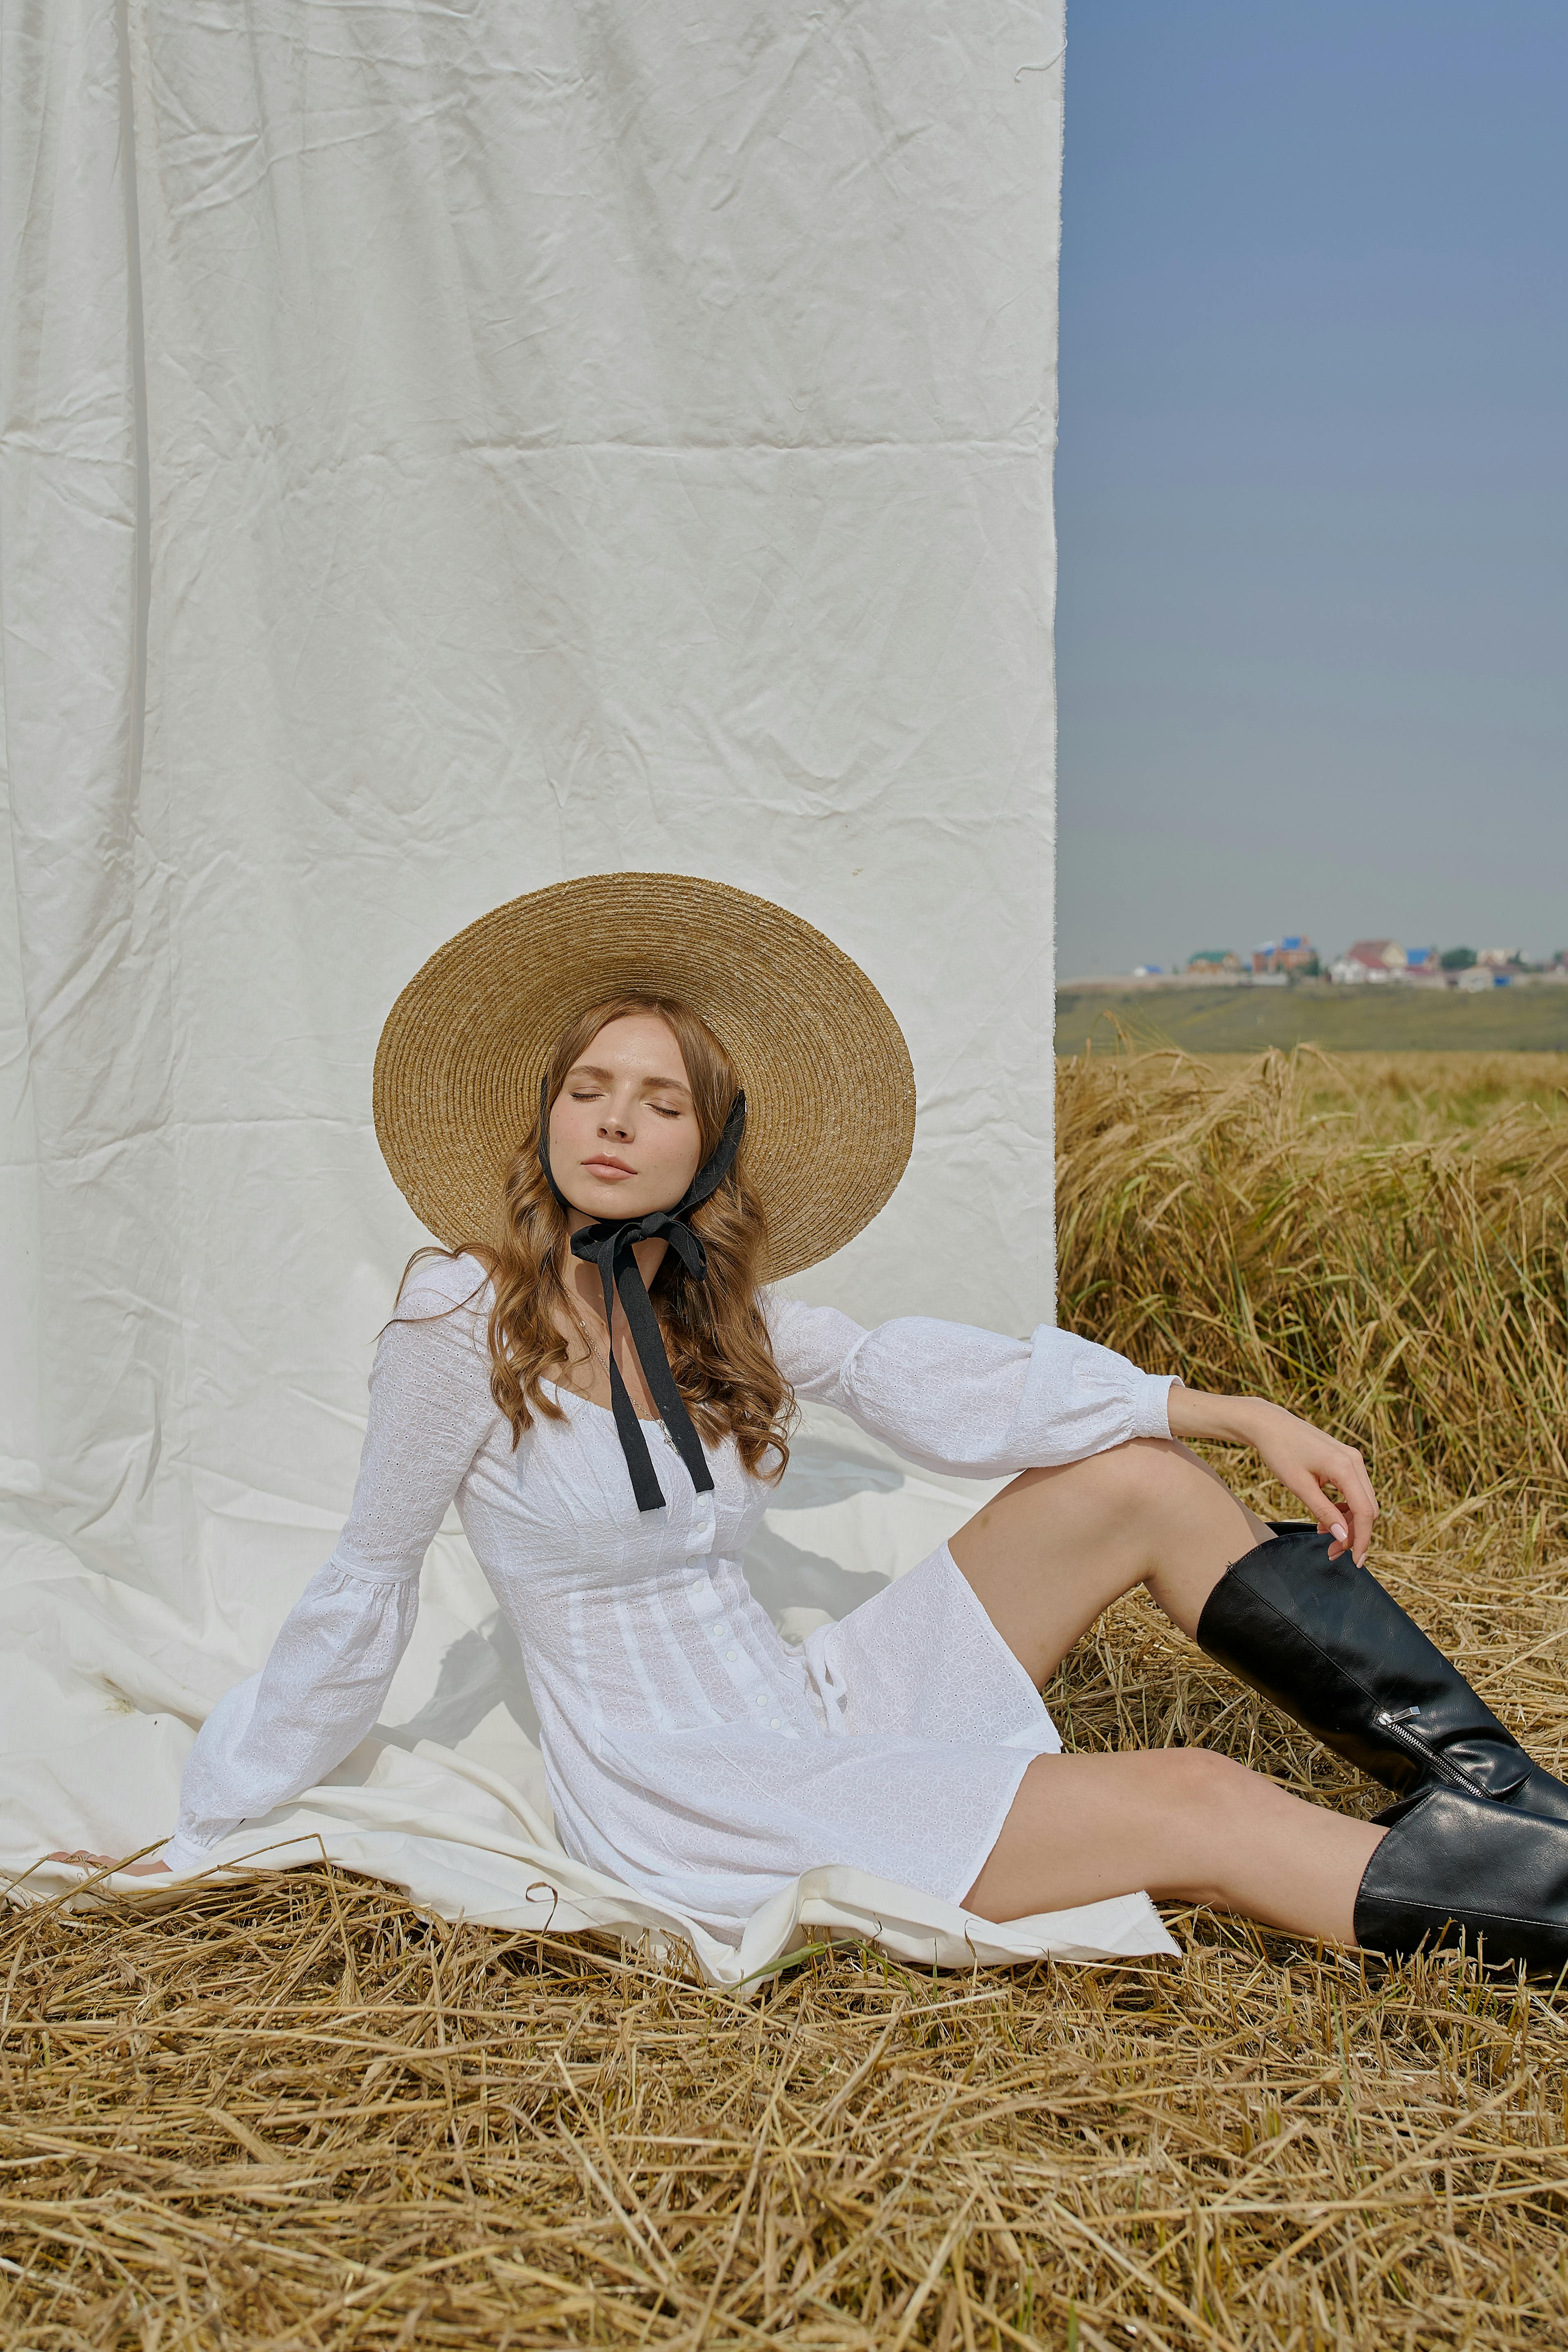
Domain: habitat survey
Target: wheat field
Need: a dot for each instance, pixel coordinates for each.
(291, 2112)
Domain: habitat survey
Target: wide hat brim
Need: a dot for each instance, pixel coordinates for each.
(830, 1092)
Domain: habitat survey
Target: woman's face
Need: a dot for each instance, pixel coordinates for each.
(624, 1137)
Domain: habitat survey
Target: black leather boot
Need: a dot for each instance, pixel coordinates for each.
(1335, 1652)
(1452, 1864)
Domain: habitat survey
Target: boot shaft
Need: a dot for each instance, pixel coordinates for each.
(1452, 1865)
(1323, 1641)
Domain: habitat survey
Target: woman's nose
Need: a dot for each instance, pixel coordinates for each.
(613, 1123)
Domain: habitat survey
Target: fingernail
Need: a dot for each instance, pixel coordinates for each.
(1338, 1533)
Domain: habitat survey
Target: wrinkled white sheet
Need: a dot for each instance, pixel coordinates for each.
(441, 450)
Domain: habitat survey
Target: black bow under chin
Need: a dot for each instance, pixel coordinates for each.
(610, 1245)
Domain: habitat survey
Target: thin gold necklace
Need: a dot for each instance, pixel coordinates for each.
(592, 1352)
(593, 1355)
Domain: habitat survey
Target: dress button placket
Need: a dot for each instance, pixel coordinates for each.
(746, 1678)
(707, 1607)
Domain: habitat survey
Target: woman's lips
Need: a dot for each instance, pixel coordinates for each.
(609, 1169)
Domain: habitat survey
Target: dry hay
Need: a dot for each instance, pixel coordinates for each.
(1408, 1097)
(291, 2112)
(1410, 1292)
(295, 2113)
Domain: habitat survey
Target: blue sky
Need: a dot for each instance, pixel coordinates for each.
(1313, 484)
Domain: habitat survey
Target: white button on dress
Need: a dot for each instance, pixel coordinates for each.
(893, 1740)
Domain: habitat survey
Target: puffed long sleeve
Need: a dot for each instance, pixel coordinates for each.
(329, 1671)
(955, 1399)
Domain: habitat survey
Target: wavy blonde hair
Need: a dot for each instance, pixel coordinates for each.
(714, 1333)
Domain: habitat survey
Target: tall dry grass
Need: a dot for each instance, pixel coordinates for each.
(293, 2113)
(1261, 1230)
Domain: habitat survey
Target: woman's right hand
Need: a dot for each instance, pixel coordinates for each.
(111, 1862)
(1306, 1462)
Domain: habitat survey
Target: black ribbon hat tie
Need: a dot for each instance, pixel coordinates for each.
(610, 1244)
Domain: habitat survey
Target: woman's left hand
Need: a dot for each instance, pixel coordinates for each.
(1302, 1458)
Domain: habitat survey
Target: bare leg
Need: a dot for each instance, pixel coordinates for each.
(1052, 1551)
(1058, 1547)
(1189, 1826)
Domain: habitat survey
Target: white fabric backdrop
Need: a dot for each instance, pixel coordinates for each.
(445, 449)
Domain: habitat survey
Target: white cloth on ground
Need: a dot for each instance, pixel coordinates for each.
(691, 1753)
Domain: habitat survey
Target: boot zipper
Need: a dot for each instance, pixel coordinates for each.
(1401, 1729)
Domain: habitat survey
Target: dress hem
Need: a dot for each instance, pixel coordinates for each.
(1020, 1671)
(1025, 1755)
(956, 1896)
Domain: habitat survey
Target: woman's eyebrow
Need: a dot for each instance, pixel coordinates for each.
(594, 1070)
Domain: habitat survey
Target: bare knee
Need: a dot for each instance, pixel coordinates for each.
(1199, 1791)
(1199, 1779)
(1166, 1504)
(1192, 1789)
(1177, 1785)
(1146, 1474)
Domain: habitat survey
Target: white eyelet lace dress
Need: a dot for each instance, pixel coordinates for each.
(691, 1752)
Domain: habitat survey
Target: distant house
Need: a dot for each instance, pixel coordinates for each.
(1369, 960)
(1296, 953)
(1422, 961)
(1215, 959)
(1498, 959)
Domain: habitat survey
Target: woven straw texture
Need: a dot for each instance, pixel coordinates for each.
(830, 1091)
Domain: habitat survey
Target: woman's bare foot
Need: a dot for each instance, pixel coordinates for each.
(111, 1862)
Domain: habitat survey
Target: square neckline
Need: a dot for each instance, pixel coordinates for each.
(648, 1420)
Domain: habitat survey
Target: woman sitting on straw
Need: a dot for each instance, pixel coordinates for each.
(626, 1101)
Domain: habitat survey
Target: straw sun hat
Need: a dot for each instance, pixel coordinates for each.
(830, 1094)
